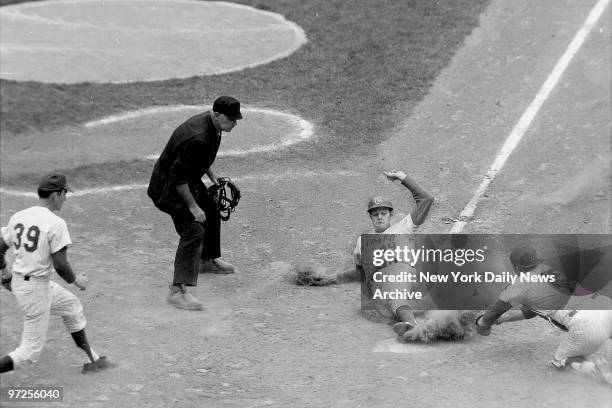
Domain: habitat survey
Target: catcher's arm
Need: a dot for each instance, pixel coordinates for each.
(513, 316)
(486, 320)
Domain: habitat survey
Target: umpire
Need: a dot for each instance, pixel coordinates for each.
(176, 188)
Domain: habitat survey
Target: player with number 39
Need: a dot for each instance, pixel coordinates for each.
(39, 239)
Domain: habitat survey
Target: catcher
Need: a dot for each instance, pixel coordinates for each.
(587, 330)
(381, 212)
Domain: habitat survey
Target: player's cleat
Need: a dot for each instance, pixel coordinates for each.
(184, 301)
(216, 266)
(597, 369)
(557, 364)
(400, 328)
(100, 364)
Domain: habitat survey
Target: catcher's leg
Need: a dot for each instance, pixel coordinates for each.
(588, 331)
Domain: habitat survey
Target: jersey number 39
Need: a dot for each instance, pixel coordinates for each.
(32, 237)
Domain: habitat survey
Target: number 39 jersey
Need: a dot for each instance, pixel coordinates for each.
(34, 234)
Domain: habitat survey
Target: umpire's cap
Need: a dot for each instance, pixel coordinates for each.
(53, 182)
(228, 106)
(524, 257)
(379, 202)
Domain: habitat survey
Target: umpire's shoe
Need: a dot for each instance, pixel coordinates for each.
(183, 300)
(216, 266)
(100, 364)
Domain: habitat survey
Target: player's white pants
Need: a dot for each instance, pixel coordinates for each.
(588, 331)
(383, 285)
(38, 299)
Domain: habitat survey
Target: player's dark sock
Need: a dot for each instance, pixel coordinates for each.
(81, 341)
(6, 364)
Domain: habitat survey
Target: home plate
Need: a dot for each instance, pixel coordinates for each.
(393, 346)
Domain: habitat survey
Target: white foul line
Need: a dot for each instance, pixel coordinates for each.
(523, 124)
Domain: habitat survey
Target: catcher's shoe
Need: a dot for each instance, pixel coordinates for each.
(100, 364)
(400, 328)
(216, 266)
(596, 369)
(184, 301)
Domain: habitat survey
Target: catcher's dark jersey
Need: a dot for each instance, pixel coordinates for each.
(188, 155)
(536, 295)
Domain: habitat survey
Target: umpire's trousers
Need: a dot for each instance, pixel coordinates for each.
(198, 241)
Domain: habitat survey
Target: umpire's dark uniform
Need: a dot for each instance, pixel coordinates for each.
(188, 155)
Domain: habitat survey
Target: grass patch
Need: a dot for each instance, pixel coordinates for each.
(365, 66)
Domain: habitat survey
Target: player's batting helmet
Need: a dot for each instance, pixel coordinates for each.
(378, 202)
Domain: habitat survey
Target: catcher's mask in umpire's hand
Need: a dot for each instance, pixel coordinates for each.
(225, 195)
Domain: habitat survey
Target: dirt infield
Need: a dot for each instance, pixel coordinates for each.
(264, 342)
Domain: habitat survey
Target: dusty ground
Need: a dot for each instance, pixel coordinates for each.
(264, 342)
